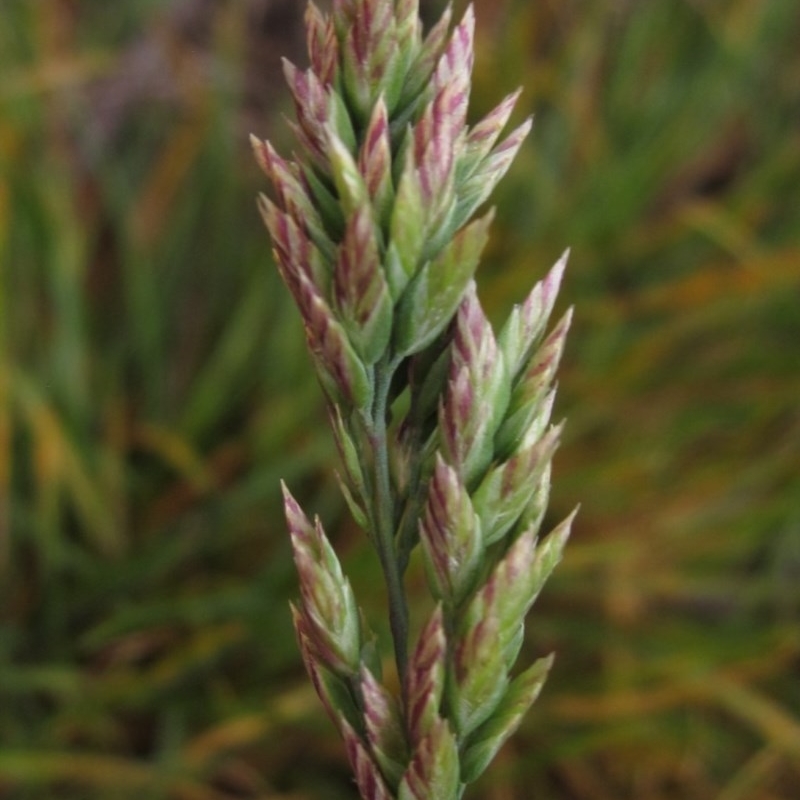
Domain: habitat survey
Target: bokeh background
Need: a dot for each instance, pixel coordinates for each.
(154, 389)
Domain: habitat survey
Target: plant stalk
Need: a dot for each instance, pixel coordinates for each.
(383, 516)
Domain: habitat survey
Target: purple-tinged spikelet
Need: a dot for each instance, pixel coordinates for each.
(425, 678)
(311, 107)
(477, 394)
(451, 537)
(526, 322)
(484, 134)
(434, 768)
(375, 162)
(384, 728)
(323, 47)
(329, 611)
(360, 288)
(368, 777)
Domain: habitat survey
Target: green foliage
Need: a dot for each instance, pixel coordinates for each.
(154, 388)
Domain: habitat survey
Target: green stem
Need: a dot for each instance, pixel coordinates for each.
(383, 517)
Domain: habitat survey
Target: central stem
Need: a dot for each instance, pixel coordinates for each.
(383, 517)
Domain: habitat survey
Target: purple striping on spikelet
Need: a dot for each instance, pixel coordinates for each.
(456, 417)
(329, 342)
(541, 369)
(524, 464)
(295, 250)
(474, 343)
(437, 517)
(375, 156)
(455, 64)
(322, 44)
(384, 729)
(315, 652)
(432, 46)
(407, 24)
(285, 177)
(368, 778)
(484, 134)
(500, 158)
(425, 679)
(538, 305)
(450, 534)
(378, 706)
(358, 277)
(435, 139)
(311, 106)
(435, 764)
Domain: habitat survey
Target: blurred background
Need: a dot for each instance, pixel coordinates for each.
(154, 389)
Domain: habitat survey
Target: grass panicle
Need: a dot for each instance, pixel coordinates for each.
(374, 239)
